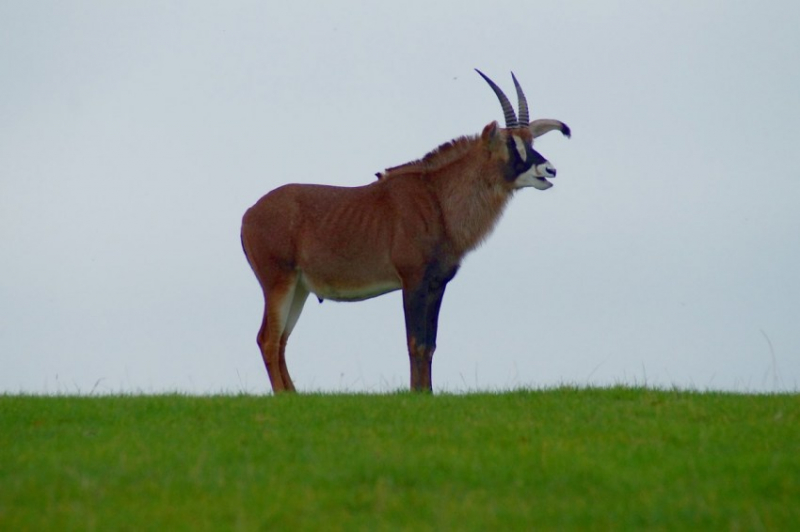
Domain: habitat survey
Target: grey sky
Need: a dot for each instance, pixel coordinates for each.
(133, 135)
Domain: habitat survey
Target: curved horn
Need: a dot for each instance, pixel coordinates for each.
(508, 111)
(522, 107)
(543, 125)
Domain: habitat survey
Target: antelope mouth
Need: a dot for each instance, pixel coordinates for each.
(545, 171)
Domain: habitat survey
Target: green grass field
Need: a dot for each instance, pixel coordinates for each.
(565, 458)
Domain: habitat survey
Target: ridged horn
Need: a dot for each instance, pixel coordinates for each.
(522, 106)
(508, 111)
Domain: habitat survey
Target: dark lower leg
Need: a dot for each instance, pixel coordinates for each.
(421, 358)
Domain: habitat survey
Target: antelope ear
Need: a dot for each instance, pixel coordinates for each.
(490, 133)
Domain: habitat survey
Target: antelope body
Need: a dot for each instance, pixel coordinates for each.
(408, 231)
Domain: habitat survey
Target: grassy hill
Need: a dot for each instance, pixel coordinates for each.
(621, 458)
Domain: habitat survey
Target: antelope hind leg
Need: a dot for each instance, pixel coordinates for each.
(295, 309)
(280, 300)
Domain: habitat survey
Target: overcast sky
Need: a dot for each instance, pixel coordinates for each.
(134, 135)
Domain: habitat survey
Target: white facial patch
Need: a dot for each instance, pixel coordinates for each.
(521, 148)
(536, 177)
(546, 169)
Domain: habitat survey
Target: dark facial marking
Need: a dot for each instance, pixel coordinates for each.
(517, 166)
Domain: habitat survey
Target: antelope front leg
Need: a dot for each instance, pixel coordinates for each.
(420, 348)
(421, 306)
(421, 359)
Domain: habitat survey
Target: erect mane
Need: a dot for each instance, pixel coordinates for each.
(434, 160)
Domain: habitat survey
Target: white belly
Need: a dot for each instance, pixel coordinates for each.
(345, 292)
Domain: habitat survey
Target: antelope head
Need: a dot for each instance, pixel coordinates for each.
(526, 166)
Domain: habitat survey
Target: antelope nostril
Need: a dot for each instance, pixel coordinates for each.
(552, 172)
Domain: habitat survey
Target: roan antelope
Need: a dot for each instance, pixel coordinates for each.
(408, 231)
